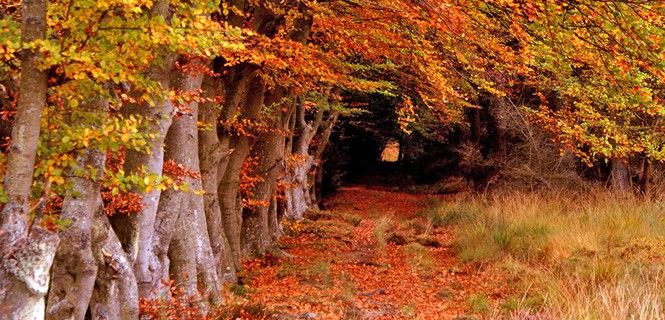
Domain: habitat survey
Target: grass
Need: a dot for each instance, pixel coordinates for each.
(317, 272)
(409, 310)
(479, 303)
(352, 219)
(240, 290)
(441, 214)
(381, 231)
(419, 258)
(569, 256)
(348, 286)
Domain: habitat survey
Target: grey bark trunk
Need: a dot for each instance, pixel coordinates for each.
(27, 255)
(24, 276)
(230, 181)
(269, 150)
(74, 269)
(136, 231)
(210, 155)
(115, 295)
(190, 253)
(299, 198)
(26, 128)
(316, 178)
(256, 236)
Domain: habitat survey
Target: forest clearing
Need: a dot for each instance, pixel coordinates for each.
(332, 159)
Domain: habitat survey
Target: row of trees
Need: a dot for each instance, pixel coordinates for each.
(158, 144)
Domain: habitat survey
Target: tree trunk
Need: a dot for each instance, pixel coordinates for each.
(645, 177)
(316, 179)
(274, 226)
(230, 181)
(26, 128)
(300, 196)
(136, 231)
(74, 269)
(301, 163)
(115, 296)
(190, 253)
(256, 237)
(269, 150)
(620, 176)
(24, 276)
(210, 155)
(27, 255)
(266, 22)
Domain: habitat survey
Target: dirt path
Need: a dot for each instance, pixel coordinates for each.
(356, 260)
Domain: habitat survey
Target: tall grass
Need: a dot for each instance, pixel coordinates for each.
(381, 230)
(571, 257)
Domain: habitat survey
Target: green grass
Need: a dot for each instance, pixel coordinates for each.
(352, 219)
(479, 303)
(240, 290)
(409, 310)
(442, 214)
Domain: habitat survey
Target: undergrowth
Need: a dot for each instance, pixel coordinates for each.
(569, 257)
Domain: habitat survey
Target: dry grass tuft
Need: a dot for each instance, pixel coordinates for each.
(570, 256)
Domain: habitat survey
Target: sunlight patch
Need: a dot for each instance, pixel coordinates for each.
(390, 152)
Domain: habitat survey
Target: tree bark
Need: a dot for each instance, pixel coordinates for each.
(322, 142)
(296, 202)
(210, 155)
(74, 269)
(26, 128)
(256, 235)
(190, 253)
(136, 231)
(620, 176)
(230, 181)
(646, 176)
(24, 276)
(115, 296)
(27, 255)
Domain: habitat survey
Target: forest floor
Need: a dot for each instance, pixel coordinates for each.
(369, 255)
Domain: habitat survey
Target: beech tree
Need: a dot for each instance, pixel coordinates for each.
(157, 145)
(27, 251)
(603, 61)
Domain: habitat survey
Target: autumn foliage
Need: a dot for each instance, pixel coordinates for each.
(154, 152)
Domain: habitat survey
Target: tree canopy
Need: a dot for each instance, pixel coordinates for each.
(122, 117)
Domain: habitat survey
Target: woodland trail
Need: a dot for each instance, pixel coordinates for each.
(356, 261)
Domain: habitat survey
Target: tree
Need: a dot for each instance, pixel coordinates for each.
(604, 62)
(163, 141)
(27, 250)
